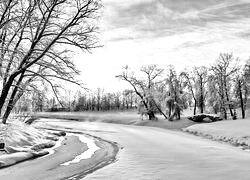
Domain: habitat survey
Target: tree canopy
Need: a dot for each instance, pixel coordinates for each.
(35, 40)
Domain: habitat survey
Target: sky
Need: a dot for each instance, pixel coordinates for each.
(183, 33)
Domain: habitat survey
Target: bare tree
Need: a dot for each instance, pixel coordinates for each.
(213, 95)
(39, 99)
(128, 98)
(144, 87)
(191, 81)
(241, 93)
(242, 88)
(196, 81)
(98, 99)
(223, 72)
(35, 37)
(201, 74)
(175, 96)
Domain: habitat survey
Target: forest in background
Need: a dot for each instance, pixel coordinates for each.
(219, 89)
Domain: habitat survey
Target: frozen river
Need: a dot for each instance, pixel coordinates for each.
(149, 153)
(154, 153)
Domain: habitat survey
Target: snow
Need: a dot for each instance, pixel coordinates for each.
(155, 153)
(57, 144)
(126, 117)
(21, 135)
(92, 148)
(22, 142)
(236, 132)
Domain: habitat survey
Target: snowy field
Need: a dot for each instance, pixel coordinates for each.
(120, 117)
(236, 132)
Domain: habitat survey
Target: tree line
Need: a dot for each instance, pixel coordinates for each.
(220, 89)
(98, 100)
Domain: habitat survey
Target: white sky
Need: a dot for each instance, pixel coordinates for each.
(179, 32)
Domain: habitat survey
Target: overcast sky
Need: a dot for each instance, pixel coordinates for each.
(179, 32)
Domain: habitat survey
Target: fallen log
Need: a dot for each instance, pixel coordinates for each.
(206, 118)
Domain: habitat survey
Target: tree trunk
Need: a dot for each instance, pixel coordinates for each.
(151, 115)
(7, 113)
(227, 97)
(159, 109)
(10, 106)
(13, 99)
(202, 103)
(241, 101)
(169, 109)
(230, 107)
(131, 103)
(225, 112)
(201, 108)
(178, 115)
(178, 111)
(5, 91)
(195, 104)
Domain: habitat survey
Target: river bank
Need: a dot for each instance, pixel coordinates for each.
(71, 156)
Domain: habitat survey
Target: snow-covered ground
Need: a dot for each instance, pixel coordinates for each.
(122, 117)
(236, 132)
(22, 137)
(23, 142)
(151, 153)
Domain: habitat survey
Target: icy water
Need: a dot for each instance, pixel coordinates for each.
(157, 154)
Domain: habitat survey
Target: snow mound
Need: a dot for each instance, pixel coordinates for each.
(22, 137)
(235, 132)
(23, 142)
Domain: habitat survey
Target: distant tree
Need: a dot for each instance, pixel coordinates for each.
(241, 92)
(128, 98)
(191, 83)
(23, 105)
(176, 99)
(241, 87)
(98, 99)
(223, 72)
(39, 100)
(81, 103)
(117, 101)
(144, 87)
(202, 75)
(196, 83)
(213, 95)
(107, 101)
